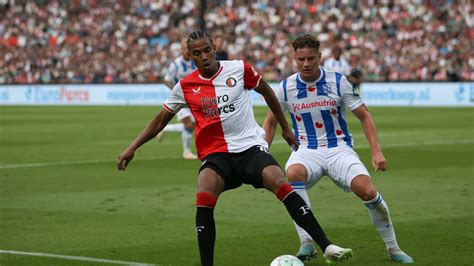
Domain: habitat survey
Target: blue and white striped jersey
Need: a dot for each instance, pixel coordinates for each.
(317, 108)
(179, 69)
(340, 66)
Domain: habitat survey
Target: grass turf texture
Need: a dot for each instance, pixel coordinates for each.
(78, 204)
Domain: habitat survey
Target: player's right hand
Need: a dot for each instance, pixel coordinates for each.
(124, 159)
(290, 138)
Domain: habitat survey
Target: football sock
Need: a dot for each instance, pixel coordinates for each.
(380, 215)
(205, 226)
(300, 189)
(186, 136)
(302, 215)
(178, 127)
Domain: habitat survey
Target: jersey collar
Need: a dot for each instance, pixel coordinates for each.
(213, 77)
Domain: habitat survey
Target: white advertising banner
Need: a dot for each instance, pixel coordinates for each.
(374, 94)
(90, 94)
(418, 94)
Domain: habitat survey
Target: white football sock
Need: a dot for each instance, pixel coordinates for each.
(380, 215)
(300, 189)
(186, 136)
(178, 127)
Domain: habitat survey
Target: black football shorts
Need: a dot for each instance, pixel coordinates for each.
(240, 168)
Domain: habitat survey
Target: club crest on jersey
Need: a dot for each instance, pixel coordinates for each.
(231, 82)
(325, 88)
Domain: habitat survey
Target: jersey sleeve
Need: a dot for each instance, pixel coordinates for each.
(172, 73)
(176, 100)
(251, 76)
(350, 97)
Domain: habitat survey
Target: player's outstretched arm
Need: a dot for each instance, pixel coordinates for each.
(154, 127)
(370, 131)
(269, 125)
(267, 92)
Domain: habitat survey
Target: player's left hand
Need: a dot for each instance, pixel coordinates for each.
(378, 162)
(290, 138)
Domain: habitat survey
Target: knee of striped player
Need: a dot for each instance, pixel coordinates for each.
(283, 191)
(368, 194)
(189, 125)
(206, 200)
(295, 174)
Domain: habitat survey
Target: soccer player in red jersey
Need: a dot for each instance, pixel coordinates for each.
(229, 141)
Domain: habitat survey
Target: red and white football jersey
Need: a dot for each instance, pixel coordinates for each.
(221, 107)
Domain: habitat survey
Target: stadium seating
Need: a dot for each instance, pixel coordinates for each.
(133, 41)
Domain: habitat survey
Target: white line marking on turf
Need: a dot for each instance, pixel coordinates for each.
(362, 146)
(29, 165)
(37, 254)
(422, 143)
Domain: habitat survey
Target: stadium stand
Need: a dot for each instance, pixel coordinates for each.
(92, 41)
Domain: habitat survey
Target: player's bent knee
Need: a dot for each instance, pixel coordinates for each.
(366, 193)
(188, 123)
(363, 187)
(205, 199)
(296, 177)
(297, 173)
(369, 193)
(189, 127)
(273, 178)
(209, 181)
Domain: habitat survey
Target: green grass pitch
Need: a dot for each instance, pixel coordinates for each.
(60, 192)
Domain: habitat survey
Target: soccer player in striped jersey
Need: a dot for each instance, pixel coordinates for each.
(178, 69)
(230, 142)
(317, 100)
(336, 63)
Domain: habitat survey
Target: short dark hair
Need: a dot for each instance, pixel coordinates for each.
(198, 35)
(337, 48)
(306, 40)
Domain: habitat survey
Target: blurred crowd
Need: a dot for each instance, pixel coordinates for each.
(124, 41)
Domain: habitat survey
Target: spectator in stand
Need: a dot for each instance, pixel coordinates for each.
(221, 53)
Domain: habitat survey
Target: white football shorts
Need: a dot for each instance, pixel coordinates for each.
(183, 113)
(340, 163)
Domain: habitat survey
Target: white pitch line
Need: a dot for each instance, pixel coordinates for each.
(422, 143)
(29, 165)
(362, 146)
(37, 254)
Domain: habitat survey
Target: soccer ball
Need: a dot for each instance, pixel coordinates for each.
(286, 260)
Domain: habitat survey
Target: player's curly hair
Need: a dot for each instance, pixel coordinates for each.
(306, 40)
(198, 35)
